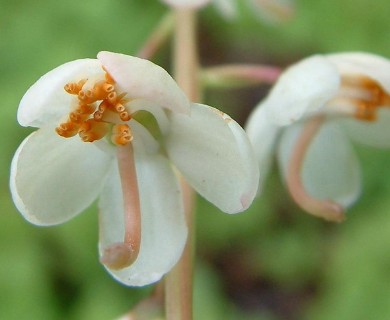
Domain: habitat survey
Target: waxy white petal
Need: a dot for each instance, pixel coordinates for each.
(331, 169)
(163, 228)
(263, 135)
(214, 154)
(142, 79)
(363, 64)
(272, 11)
(373, 133)
(53, 178)
(187, 3)
(142, 138)
(46, 101)
(158, 113)
(228, 8)
(302, 90)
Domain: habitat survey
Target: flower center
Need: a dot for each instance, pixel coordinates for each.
(362, 97)
(100, 111)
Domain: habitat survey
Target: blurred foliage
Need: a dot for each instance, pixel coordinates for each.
(271, 262)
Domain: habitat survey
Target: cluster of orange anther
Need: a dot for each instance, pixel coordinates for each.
(97, 109)
(374, 97)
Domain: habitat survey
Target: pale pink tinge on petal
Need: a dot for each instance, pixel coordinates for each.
(215, 156)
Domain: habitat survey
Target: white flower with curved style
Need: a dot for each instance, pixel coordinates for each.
(267, 10)
(312, 111)
(114, 128)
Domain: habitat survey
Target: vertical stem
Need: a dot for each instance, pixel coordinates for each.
(186, 67)
(158, 37)
(178, 283)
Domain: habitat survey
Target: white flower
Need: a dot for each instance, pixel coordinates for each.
(267, 10)
(134, 123)
(271, 11)
(187, 3)
(311, 113)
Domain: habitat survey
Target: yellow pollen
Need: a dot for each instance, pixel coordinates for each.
(97, 110)
(369, 97)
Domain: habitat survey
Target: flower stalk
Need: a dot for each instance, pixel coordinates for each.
(158, 37)
(178, 282)
(239, 75)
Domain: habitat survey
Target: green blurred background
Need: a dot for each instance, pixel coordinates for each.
(271, 262)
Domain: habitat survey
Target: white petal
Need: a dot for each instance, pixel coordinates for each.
(302, 90)
(157, 112)
(143, 140)
(228, 8)
(331, 169)
(214, 154)
(142, 79)
(272, 11)
(53, 178)
(262, 134)
(375, 133)
(359, 63)
(163, 228)
(46, 100)
(187, 3)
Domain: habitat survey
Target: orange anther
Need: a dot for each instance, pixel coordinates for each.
(125, 116)
(73, 87)
(85, 108)
(120, 107)
(368, 98)
(98, 108)
(102, 89)
(121, 134)
(92, 130)
(77, 117)
(67, 129)
(86, 96)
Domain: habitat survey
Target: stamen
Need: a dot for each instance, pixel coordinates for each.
(125, 116)
(77, 117)
(112, 97)
(108, 77)
(87, 96)
(67, 129)
(366, 94)
(121, 134)
(120, 108)
(92, 130)
(326, 209)
(93, 123)
(121, 255)
(86, 108)
(102, 89)
(74, 88)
